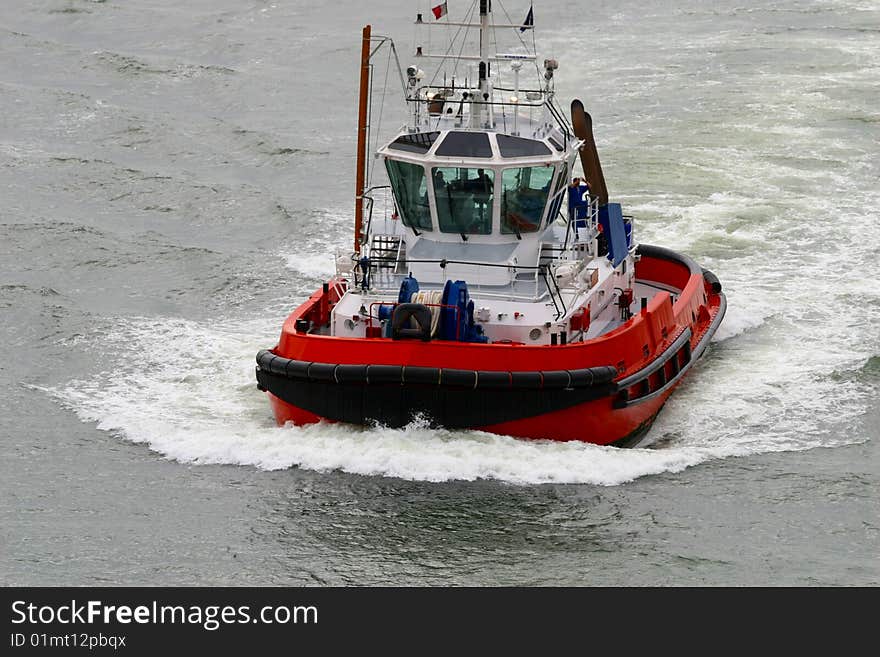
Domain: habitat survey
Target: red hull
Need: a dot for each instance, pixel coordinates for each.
(663, 327)
(593, 422)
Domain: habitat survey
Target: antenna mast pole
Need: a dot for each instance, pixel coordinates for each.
(362, 140)
(479, 108)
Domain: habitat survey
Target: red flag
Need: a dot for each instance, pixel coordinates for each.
(439, 10)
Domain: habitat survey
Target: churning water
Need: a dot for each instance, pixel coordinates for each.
(176, 179)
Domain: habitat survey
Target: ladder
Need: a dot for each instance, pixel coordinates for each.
(385, 251)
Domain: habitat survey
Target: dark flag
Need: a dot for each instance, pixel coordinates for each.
(529, 22)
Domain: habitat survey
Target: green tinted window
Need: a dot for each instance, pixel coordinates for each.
(411, 193)
(559, 191)
(464, 199)
(524, 194)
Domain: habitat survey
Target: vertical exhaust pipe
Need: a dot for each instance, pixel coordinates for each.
(582, 123)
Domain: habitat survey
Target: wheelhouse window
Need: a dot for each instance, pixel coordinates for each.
(520, 147)
(419, 142)
(465, 144)
(557, 196)
(524, 194)
(411, 193)
(464, 199)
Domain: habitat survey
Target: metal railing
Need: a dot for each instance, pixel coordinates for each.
(545, 102)
(543, 273)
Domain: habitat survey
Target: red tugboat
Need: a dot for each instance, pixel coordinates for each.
(501, 293)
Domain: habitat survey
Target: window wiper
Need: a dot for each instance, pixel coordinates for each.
(504, 218)
(452, 214)
(512, 225)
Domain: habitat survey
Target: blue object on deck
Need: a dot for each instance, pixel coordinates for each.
(408, 288)
(457, 323)
(364, 265)
(627, 224)
(385, 311)
(611, 220)
(577, 205)
(453, 322)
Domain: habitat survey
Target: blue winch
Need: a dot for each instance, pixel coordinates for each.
(456, 320)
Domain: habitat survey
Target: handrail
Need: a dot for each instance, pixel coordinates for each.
(542, 271)
(544, 102)
(566, 134)
(547, 278)
(366, 196)
(481, 102)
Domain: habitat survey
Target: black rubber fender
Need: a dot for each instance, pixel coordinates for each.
(582, 378)
(712, 280)
(591, 376)
(487, 379)
(265, 358)
(526, 380)
(458, 378)
(351, 374)
(556, 379)
(269, 363)
(322, 371)
(297, 369)
(423, 375)
(384, 374)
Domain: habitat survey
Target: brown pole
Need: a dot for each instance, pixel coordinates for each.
(362, 141)
(582, 123)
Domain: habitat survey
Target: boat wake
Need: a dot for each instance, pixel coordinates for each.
(313, 257)
(313, 265)
(209, 411)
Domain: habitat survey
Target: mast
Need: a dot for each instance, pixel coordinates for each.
(480, 107)
(360, 175)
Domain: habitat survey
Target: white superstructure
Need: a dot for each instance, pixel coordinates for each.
(482, 184)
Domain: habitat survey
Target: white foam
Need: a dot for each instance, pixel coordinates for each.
(314, 258)
(313, 265)
(738, 321)
(206, 409)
